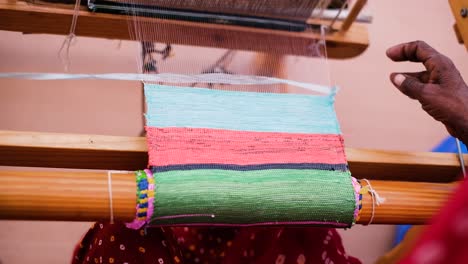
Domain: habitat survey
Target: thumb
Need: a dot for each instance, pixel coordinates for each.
(451, 130)
(408, 85)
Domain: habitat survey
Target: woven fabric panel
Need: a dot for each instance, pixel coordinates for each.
(244, 158)
(262, 197)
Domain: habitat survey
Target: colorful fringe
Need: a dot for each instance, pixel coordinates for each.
(145, 199)
(358, 196)
(240, 159)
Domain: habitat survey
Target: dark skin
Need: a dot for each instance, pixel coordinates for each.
(440, 89)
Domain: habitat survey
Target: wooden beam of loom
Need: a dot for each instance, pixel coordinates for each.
(54, 19)
(62, 196)
(84, 196)
(460, 12)
(54, 150)
(354, 12)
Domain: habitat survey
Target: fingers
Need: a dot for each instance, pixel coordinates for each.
(423, 76)
(408, 85)
(416, 51)
(451, 130)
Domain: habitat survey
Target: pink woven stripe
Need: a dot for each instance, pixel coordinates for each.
(169, 146)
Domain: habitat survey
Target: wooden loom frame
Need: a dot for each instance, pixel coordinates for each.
(349, 41)
(461, 21)
(83, 195)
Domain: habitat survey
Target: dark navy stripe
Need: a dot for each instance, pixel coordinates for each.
(272, 166)
(141, 214)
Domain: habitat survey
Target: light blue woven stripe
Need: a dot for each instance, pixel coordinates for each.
(264, 112)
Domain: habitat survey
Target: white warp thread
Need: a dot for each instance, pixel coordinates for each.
(111, 200)
(109, 190)
(214, 78)
(376, 199)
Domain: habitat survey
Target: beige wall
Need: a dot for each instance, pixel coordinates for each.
(372, 113)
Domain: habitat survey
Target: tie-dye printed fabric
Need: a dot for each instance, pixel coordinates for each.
(114, 243)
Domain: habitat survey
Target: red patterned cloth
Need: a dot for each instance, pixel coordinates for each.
(114, 243)
(446, 239)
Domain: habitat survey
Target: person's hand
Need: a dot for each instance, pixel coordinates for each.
(440, 88)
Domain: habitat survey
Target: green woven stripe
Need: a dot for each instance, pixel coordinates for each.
(246, 197)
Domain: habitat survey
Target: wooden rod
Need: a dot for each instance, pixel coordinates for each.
(405, 202)
(83, 196)
(54, 19)
(353, 14)
(65, 196)
(56, 150)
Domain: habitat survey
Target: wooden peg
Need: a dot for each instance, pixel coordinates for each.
(358, 6)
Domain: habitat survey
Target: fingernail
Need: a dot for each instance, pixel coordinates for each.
(399, 79)
(389, 50)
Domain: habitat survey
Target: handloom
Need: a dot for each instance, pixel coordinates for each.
(89, 196)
